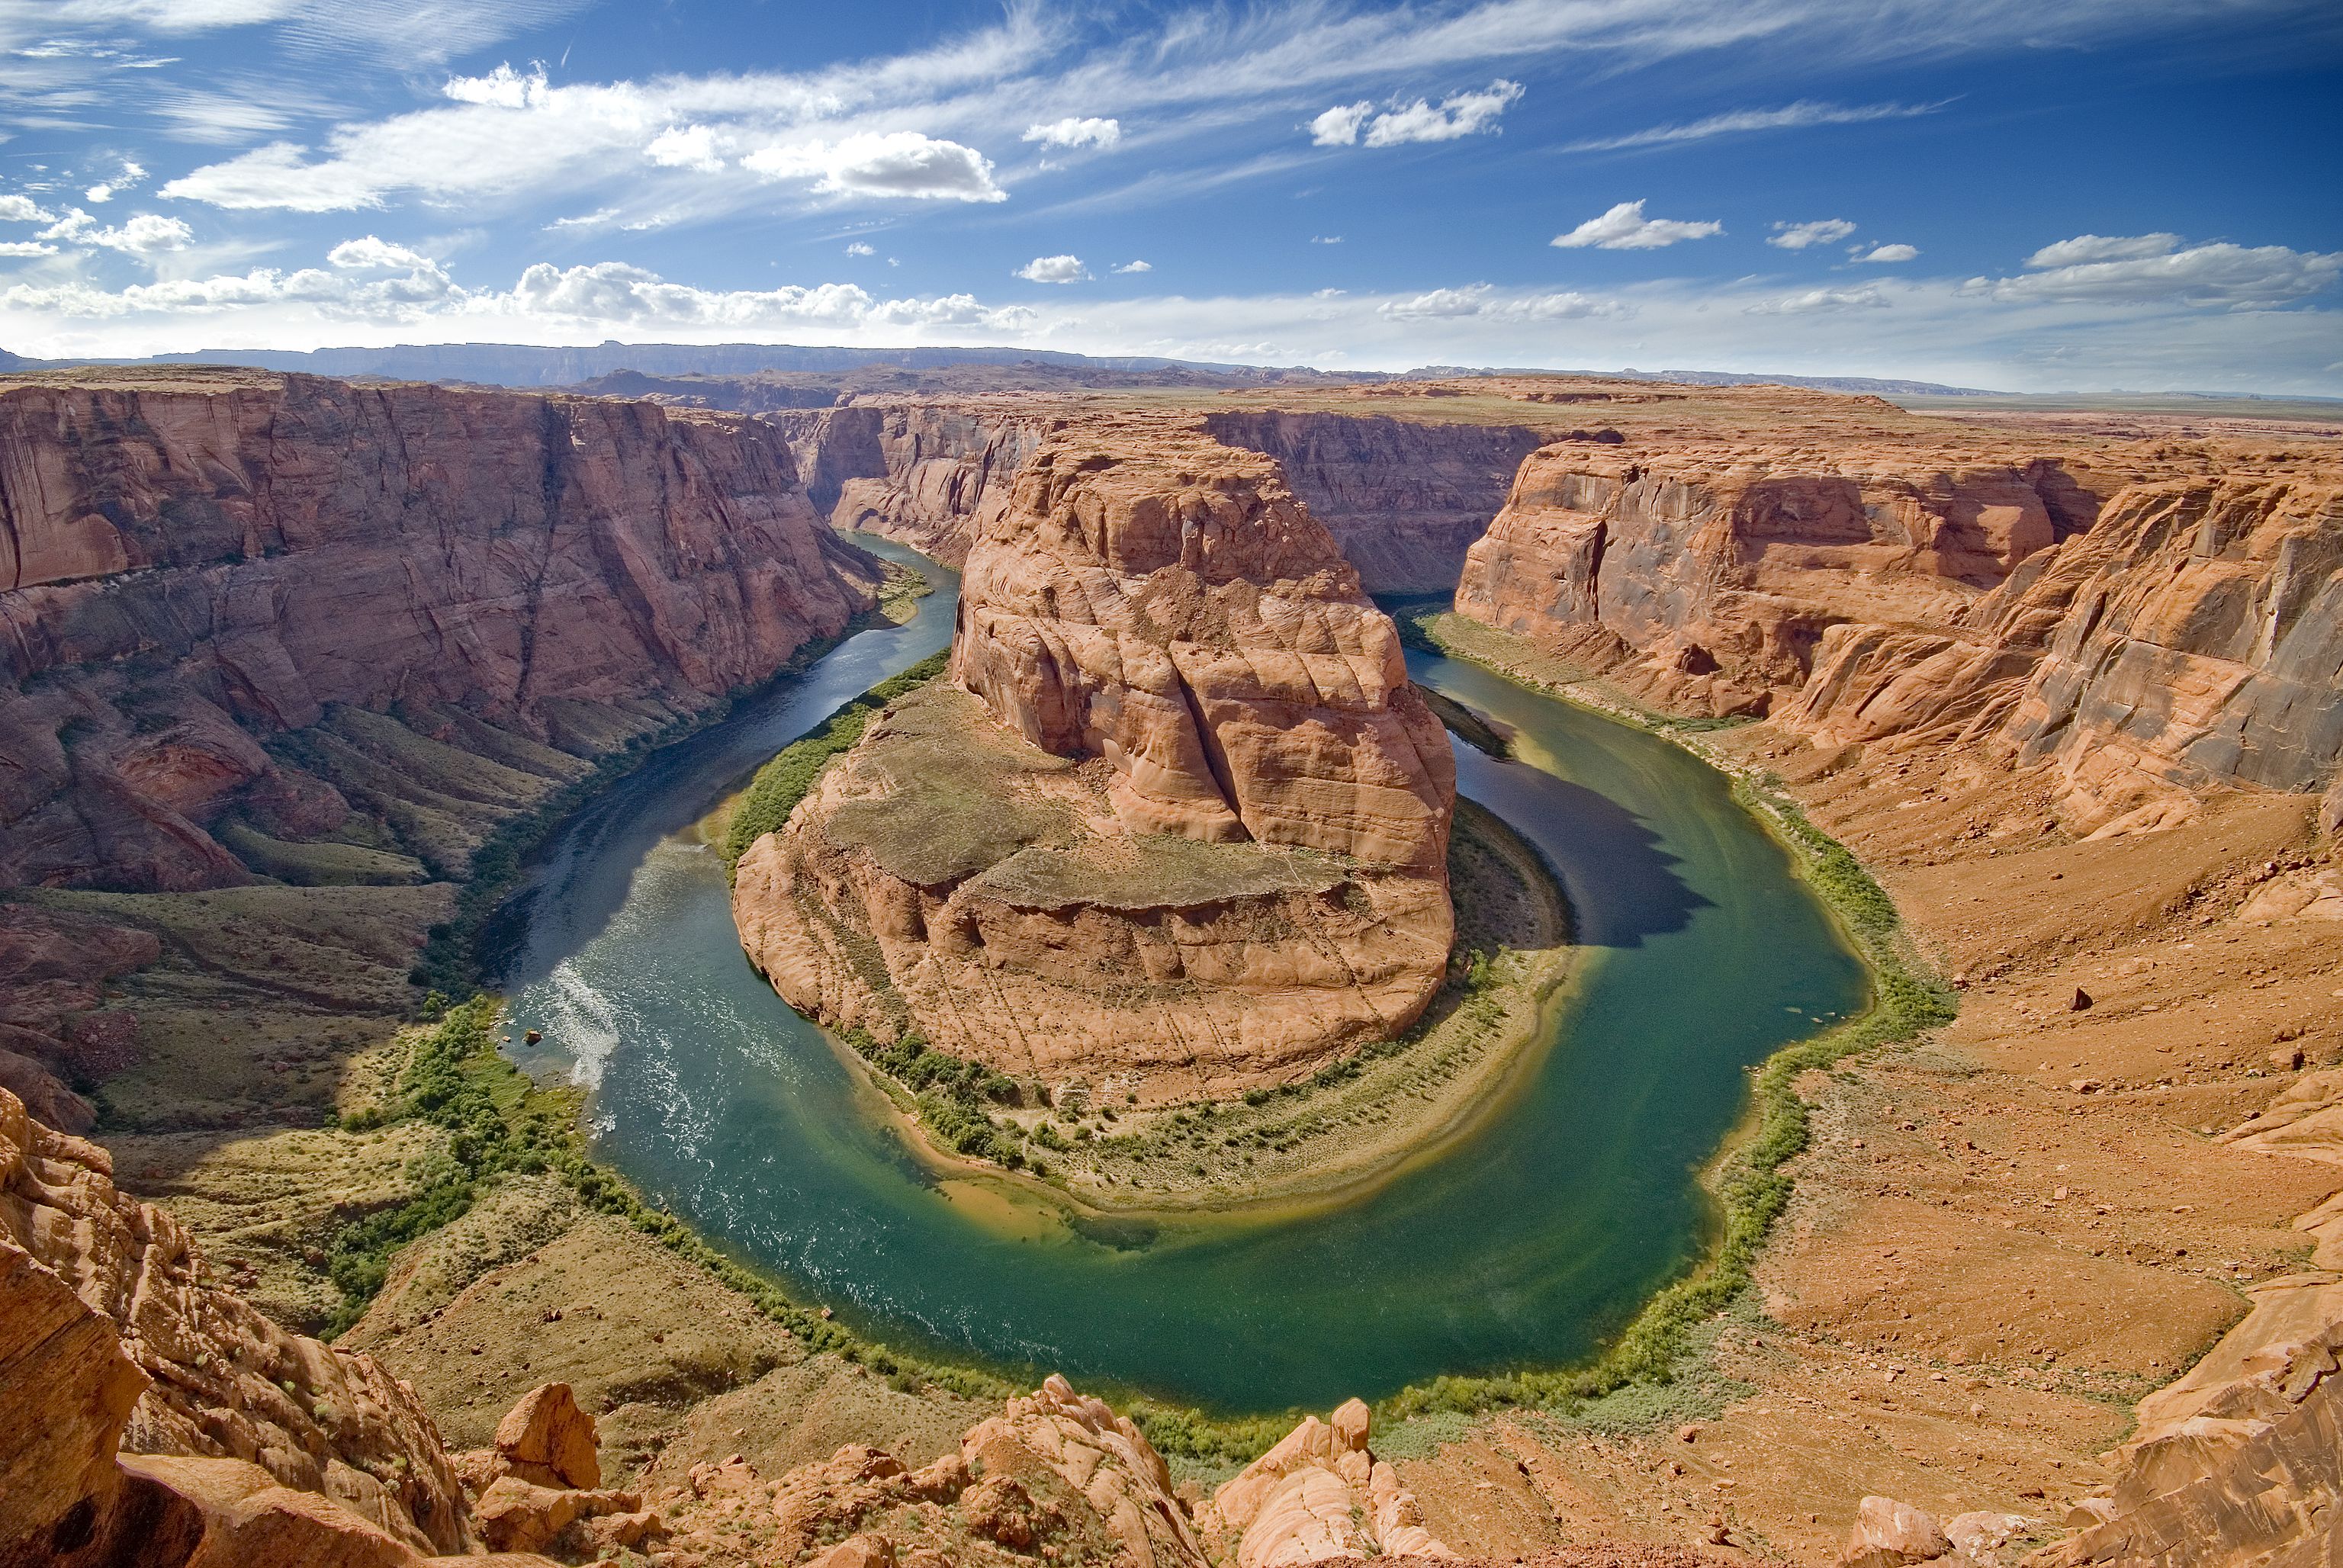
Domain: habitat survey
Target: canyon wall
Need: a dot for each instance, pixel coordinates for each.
(2150, 620)
(1190, 827)
(195, 566)
(917, 473)
(1404, 500)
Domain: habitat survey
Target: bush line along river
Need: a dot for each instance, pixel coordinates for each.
(1528, 1243)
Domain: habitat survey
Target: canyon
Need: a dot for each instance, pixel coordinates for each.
(288, 654)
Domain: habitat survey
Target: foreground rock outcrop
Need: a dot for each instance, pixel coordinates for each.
(1187, 822)
(1320, 1495)
(196, 563)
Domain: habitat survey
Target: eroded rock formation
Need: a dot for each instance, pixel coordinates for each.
(918, 473)
(2148, 635)
(150, 1415)
(195, 563)
(1192, 826)
(1320, 1495)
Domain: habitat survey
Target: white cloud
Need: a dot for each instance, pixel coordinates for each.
(1479, 300)
(369, 253)
(1889, 253)
(2144, 269)
(895, 163)
(1072, 132)
(25, 248)
(2103, 247)
(503, 89)
(1054, 269)
(1136, 267)
(1741, 121)
(1866, 297)
(1624, 227)
(100, 194)
(23, 210)
(1339, 126)
(1460, 115)
(1325, 239)
(279, 176)
(686, 147)
(856, 247)
(1799, 235)
(143, 234)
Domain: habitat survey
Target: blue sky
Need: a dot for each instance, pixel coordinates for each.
(2025, 193)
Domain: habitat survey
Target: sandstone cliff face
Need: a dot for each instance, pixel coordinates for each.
(1190, 828)
(916, 473)
(1403, 499)
(193, 565)
(132, 1344)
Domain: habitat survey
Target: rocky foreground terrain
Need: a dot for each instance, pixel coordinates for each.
(2059, 1278)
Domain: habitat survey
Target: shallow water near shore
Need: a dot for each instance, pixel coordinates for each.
(1524, 1243)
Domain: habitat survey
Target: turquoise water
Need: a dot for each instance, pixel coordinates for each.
(1524, 1244)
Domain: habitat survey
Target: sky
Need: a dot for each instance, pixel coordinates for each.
(2024, 195)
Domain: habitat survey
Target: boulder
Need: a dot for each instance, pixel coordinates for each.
(1888, 1535)
(546, 1439)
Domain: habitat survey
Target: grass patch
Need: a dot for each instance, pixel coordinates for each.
(781, 783)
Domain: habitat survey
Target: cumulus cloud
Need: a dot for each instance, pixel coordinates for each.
(2103, 247)
(23, 210)
(1624, 227)
(1459, 114)
(1054, 269)
(1074, 131)
(25, 248)
(2145, 269)
(502, 88)
(1136, 267)
(144, 235)
(1799, 235)
(1866, 297)
(896, 164)
(100, 194)
(1889, 253)
(856, 247)
(370, 252)
(1479, 300)
(686, 147)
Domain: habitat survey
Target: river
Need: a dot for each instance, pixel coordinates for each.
(1525, 1244)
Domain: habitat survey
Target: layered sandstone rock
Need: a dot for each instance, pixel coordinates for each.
(2149, 636)
(918, 473)
(1404, 500)
(1191, 827)
(219, 1378)
(197, 562)
(1320, 1495)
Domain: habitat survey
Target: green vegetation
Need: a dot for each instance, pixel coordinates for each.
(781, 783)
(952, 1094)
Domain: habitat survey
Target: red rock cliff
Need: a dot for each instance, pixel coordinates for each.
(191, 563)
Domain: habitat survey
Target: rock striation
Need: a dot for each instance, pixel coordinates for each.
(1182, 818)
(1404, 500)
(2148, 622)
(918, 473)
(194, 565)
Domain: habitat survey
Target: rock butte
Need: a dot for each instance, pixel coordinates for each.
(1160, 611)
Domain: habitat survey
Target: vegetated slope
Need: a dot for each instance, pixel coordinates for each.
(1190, 827)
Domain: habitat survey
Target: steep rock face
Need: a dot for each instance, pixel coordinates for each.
(2194, 637)
(1715, 571)
(195, 564)
(1190, 831)
(220, 1380)
(1168, 605)
(913, 472)
(1403, 499)
(1319, 1496)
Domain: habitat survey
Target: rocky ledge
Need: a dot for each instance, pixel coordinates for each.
(1179, 820)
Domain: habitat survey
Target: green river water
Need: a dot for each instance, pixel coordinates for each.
(1524, 1243)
